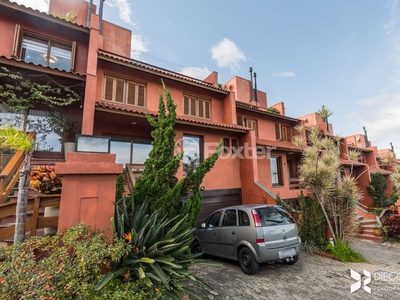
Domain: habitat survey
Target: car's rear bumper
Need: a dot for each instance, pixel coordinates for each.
(263, 254)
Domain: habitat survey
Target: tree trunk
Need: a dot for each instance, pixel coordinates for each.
(321, 202)
(22, 201)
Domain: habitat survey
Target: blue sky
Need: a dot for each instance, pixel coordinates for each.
(343, 54)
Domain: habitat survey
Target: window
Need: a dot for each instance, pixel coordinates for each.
(196, 107)
(229, 218)
(249, 123)
(276, 170)
(192, 153)
(134, 151)
(123, 91)
(282, 132)
(243, 218)
(226, 145)
(234, 146)
(44, 51)
(213, 221)
(273, 216)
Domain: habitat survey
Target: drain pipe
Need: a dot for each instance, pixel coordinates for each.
(251, 84)
(101, 16)
(89, 13)
(255, 87)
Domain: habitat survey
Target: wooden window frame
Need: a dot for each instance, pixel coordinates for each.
(282, 132)
(125, 96)
(248, 122)
(194, 106)
(20, 35)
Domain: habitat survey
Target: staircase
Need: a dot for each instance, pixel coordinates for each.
(368, 222)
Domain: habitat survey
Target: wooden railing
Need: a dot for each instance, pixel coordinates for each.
(132, 172)
(10, 174)
(36, 205)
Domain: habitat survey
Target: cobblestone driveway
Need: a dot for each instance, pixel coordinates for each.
(313, 277)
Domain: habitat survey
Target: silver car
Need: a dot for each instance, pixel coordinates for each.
(250, 234)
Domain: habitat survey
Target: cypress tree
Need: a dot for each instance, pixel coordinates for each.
(158, 183)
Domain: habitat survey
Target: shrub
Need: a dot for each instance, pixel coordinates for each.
(393, 226)
(344, 252)
(65, 266)
(158, 254)
(44, 180)
(312, 224)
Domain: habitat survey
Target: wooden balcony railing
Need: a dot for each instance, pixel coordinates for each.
(35, 220)
(10, 174)
(133, 171)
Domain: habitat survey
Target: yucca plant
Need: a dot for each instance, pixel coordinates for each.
(158, 251)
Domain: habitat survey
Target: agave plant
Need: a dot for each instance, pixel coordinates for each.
(158, 251)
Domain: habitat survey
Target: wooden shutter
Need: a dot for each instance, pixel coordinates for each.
(201, 108)
(253, 125)
(130, 99)
(17, 37)
(108, 88)
(193, 106)
(185, 105)
(207, 109)
(119, 91)
(73, 54)
(141, 95)
(285, 133)
(240, 120)
(278, 132)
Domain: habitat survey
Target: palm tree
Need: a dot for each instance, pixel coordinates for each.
(325, 114)
(12, 138)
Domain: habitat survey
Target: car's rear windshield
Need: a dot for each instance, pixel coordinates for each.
(272, 216)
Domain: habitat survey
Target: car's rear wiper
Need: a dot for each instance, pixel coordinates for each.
(275, 221)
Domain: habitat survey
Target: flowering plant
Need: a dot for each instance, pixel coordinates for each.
(44, 180)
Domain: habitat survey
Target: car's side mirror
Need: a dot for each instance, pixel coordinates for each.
(203, 225)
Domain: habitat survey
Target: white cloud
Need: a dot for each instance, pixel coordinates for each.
(284, 74)
(124, 10)
(227, 54)
(382, 119)
(138, 46)
(42, 5)
(196, 72)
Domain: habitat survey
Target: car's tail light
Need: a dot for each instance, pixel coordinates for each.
(256, 218)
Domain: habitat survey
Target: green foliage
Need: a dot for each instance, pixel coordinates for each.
(312, 224)
(273, 110)
(392, 226)
(63, 266)
(344, 252)
(158, 183)
(377, 189)
(119, 191)
(158, 251)
(15, 139)
(18, 94)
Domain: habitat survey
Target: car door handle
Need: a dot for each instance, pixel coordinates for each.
(233, 233)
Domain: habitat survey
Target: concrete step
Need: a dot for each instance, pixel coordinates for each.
(370, 237)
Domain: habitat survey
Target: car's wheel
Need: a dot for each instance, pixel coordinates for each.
(247, 261)
(195, 248)
(291, 262)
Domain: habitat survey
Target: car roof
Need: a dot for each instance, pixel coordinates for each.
(249, 206)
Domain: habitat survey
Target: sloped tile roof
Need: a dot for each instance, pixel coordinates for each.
(263, 111)
(156, 69)
(277, 144)
(180, 119)
(378, 170)
(347, 162)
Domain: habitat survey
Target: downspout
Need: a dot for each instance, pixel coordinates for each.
(89, 13)
(255, 87)
(101, 17)
(251, 84)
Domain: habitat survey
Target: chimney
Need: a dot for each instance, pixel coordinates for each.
(251, 84)
(101, 16)
(89, 13)
(255, 87)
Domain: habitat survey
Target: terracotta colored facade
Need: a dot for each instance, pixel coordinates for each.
(259, 161)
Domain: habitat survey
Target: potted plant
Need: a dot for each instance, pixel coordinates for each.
(65, 127)
(377, 230)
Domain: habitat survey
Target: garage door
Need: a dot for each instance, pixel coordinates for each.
(215, 199)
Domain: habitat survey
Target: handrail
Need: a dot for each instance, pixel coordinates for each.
(9, 175)
(133, 171)
(35, 204)
(366, 208)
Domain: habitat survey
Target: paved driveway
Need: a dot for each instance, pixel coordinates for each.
(313, 277)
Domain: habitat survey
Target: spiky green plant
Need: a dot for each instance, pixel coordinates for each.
(158, 250)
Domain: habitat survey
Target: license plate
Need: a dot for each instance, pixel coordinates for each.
(287, 253)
